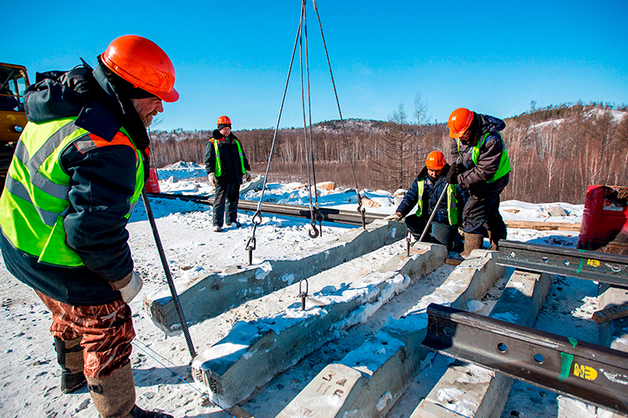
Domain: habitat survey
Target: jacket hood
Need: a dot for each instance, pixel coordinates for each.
(490, 124)
(217, 135)
(87, 95)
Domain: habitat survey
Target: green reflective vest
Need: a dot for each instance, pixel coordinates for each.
(453, 215)
(35, 200)
(504, 162)
(218, 167)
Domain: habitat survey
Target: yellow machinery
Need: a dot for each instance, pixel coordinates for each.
(13, 82)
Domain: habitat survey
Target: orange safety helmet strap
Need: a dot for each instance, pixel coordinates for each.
(435, 161)
(143, 64)
(459, 121)
(223, 120)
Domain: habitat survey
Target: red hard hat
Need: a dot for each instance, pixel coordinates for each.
(223, 120)
(435, 161)
(142, 63)
(459, 121)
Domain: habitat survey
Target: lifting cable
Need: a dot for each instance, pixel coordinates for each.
(315, 214)
(257, 217)
(361, 210)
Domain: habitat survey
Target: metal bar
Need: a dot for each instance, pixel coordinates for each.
(583, 264)
(589, 372)
(164, 262)
(329, 214)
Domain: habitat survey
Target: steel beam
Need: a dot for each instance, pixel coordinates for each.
(583, 264)
(591, 373)
(329, 214)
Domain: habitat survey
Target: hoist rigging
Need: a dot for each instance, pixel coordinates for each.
(315, 213)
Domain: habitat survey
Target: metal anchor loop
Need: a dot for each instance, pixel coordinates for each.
(303, 294)
(408, 239)
(250, 246)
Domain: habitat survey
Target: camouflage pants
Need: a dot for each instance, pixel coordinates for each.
(106, 332)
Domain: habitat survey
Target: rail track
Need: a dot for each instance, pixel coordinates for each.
(344, 216)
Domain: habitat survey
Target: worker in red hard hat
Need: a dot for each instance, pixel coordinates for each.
(424, 193)
(227, 168)
(78, 171)
(484, 171)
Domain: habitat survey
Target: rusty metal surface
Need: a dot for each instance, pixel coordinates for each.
(590, 265)
(591, 373)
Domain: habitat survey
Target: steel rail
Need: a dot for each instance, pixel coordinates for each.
(583, 264)
(329, 214)
(589, 372)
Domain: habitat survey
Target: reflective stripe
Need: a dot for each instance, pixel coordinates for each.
(17, 189)
(33, 163)
(218, 166)
(504, 161)
(420, 187)
(452, 204)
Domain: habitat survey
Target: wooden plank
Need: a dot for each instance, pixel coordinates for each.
(543, 226)
(610, 313)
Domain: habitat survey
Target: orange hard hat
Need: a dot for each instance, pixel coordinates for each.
(143, 64)
(435, 161)
(223, 120)
(459, 121)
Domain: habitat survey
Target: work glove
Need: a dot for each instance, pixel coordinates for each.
(212, 178)
(394, 217)
(246, 176)
(454, 171)
(128, 287)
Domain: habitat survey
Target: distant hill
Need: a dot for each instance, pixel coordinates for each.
(555, 152)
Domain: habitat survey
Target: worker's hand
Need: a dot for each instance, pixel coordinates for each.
(454, 171)
(129, 287)
(212, 178)
(394, 217)
(246, 176)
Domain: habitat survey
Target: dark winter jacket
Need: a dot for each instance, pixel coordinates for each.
(230, 162)
(476, 176)
(431, 193)
(102, 181)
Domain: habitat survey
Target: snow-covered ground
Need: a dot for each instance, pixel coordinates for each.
(29, 375)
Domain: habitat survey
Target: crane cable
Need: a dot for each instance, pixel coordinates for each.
(315, 214)
(361, 210)
(257, 217)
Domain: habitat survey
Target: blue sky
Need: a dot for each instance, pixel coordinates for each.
(232, 58)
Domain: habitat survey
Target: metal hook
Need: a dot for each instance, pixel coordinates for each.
(313, 233)
(302, 294)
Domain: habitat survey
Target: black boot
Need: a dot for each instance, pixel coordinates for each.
(137, 412)
(70, 358)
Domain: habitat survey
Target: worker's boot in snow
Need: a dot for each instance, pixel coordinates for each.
(114, 396)
(137, 412)
(70, 358)
(472, 242)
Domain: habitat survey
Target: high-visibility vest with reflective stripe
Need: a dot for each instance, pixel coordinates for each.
(452, 202)
(504, 162)
(218, 167)
(35, 200)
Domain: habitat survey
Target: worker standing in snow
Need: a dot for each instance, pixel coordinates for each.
(484, 172)
(78, 171)
(227, 168)
(424, 193)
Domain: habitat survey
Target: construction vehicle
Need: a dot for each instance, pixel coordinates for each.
(13, 82)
